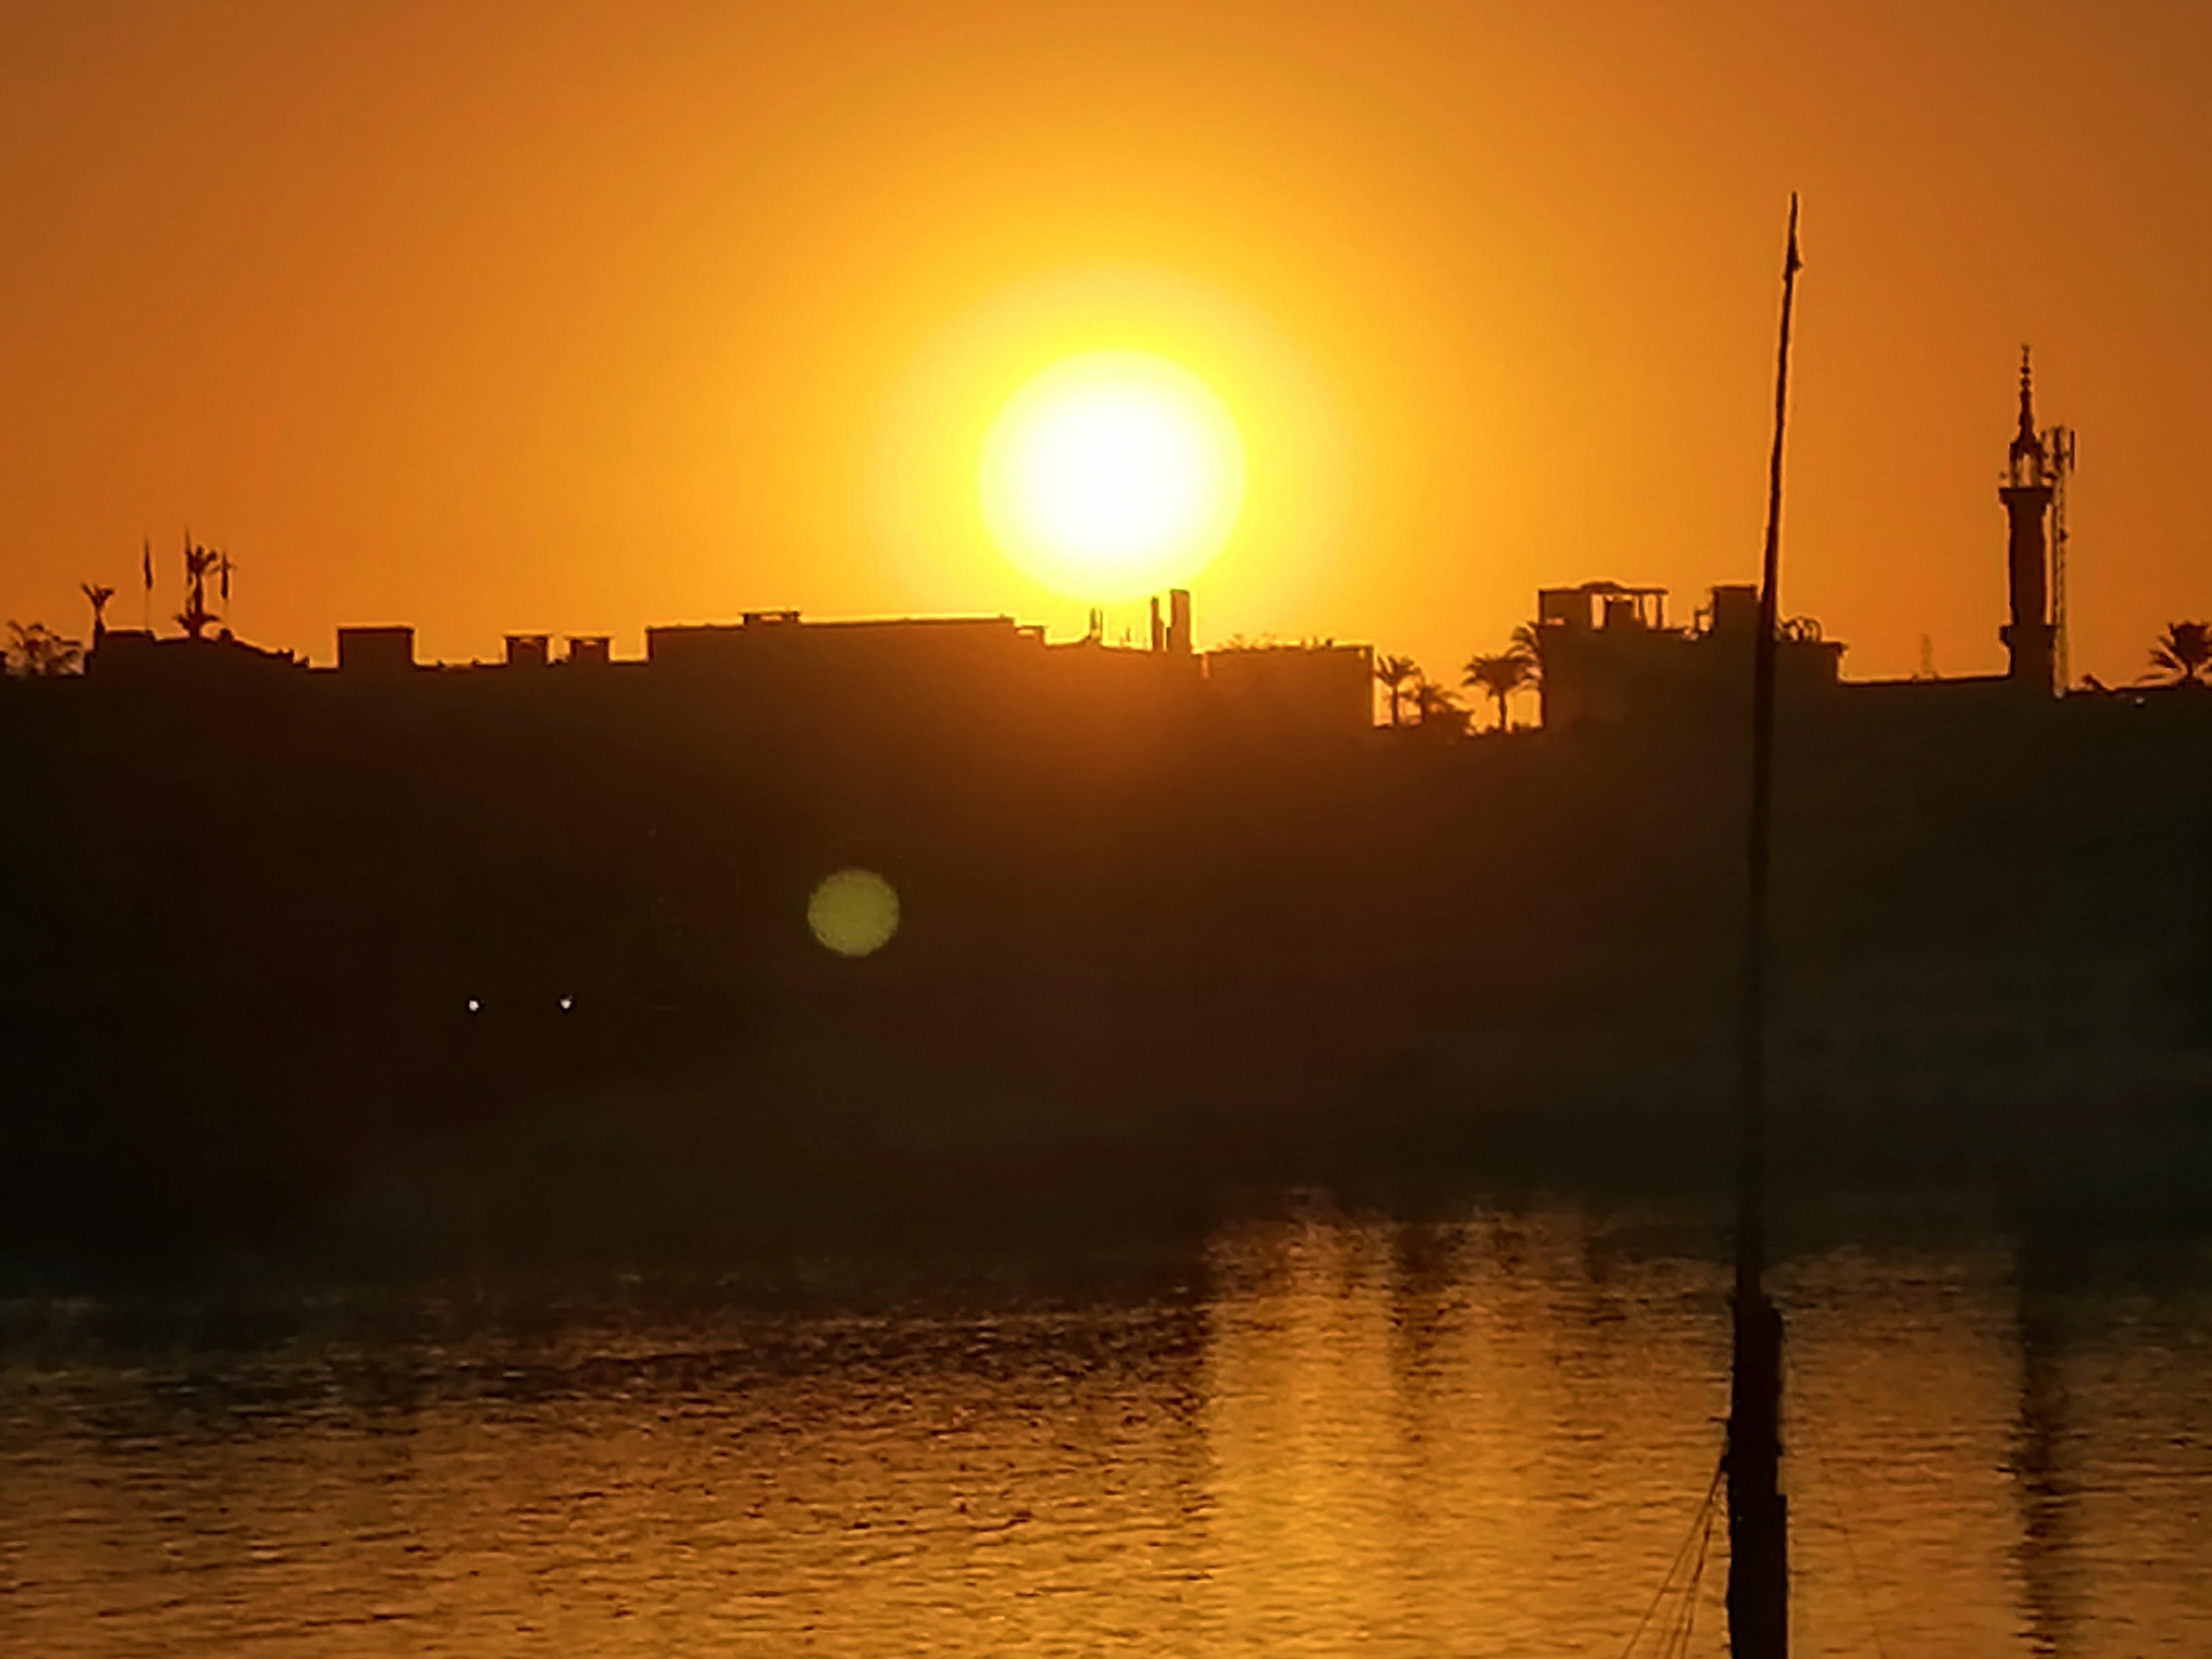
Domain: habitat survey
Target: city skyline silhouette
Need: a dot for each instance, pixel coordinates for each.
(1359, 829)
(672, 318)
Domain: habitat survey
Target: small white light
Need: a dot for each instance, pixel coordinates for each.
(567, 1003)
(474, 1005)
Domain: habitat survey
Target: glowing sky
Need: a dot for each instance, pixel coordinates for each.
(582, 316)
(1113, 475)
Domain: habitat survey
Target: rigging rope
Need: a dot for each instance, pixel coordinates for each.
(1696, 1583)
(1700, 1531)
(1851, 1550)
(1675, 1635)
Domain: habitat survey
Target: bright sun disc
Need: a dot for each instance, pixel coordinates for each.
(1113, 475)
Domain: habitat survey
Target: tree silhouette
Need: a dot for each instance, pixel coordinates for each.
(2184, 650)
(1395, 673)
(200, 563)
(1435, 706)
(97, 595)
(1500, 674)
(36, 652)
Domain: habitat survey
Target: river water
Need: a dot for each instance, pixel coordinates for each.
(1488, 1430)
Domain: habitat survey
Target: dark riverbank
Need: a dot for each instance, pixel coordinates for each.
(505, 975)
(699, 1170)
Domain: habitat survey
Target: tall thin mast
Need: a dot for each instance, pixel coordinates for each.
(1759, 1533)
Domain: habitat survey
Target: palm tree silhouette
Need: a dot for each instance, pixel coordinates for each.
(1395, 673)
(2183, 650)
(1502, 673)
(199, 564)
(98, 594)
(34, 652)
(1434, 705)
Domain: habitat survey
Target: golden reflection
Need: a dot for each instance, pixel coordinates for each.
(1421, 1439)
(1484, 1437)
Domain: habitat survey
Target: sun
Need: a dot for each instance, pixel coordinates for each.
(1113, 475)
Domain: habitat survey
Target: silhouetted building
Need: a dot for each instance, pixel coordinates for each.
(376, 650)
(129, 656)
(784, 641)
(284, 926)
(1172, 633)
(2029, 637)
(1323, 687)
(1608, 654)
(529, 650)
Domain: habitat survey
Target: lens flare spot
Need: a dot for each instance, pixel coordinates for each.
(853, 913)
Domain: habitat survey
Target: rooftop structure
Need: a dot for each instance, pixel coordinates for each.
(376, 650)
(1608, 653)
(955, 667)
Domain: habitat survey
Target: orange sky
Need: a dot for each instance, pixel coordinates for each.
(578, 317)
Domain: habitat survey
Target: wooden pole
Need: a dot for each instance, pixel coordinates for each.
(1759, 1532)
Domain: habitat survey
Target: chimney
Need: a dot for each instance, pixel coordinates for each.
(1178, 621)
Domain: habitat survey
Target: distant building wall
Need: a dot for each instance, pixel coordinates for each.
(1311, 688)
(120, 652)
(781, 637)
(136, 656)
(939, 670)
(376, 650)
(1608, 655)
(953, 673)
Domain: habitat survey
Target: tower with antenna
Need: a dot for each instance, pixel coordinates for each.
(2026, 492)
(2058, 447)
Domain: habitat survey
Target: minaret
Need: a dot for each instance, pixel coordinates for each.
(2029, 636)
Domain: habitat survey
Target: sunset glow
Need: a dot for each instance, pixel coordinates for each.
(1113, 475)
(1377, 828)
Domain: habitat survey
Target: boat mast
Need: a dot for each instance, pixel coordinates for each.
(1759, 1533)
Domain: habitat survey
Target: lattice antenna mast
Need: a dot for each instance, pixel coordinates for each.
(2058, 443)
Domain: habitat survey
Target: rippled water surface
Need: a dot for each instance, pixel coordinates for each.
(1307, 1433)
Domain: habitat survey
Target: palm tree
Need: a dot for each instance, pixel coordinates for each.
(98, 594)
(1503, 674)
(1395, 673)
(200, 563)
(2183, 650)
(36, 652)
(1434, 705)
